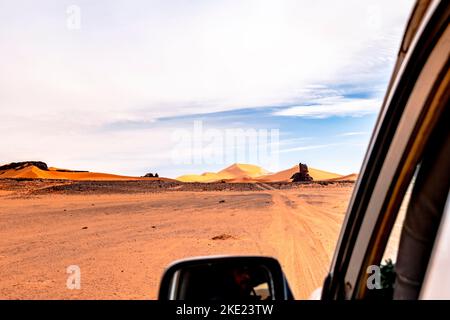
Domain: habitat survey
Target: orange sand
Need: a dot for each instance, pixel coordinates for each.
(251, 173)
(32, 172)
(123, 242)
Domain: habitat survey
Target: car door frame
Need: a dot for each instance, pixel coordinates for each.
(406, 119)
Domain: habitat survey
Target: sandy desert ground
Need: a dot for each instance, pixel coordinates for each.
(122, 237)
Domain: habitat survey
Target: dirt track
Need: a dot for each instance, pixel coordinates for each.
(122, 242)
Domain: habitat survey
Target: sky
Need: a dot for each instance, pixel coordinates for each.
(131, 87)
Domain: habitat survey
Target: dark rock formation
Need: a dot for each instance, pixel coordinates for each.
(20, 165)
(151, 175)
(302, 174)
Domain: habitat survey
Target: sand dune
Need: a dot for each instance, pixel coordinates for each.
(349, 177)
(239, 170)
(233, 173)
(205, 177)
(251, 173)
(33, 172)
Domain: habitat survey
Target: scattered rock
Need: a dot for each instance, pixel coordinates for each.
(223, 236)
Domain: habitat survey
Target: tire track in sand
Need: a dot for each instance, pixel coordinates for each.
(298, 244)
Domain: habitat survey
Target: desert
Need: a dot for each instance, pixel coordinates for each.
(123, 233)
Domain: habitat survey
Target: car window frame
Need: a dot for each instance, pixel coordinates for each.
(397, 120)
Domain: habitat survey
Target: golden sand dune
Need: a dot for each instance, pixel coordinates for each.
(250, 173)
(349, 177)
(205, 177)
(33, 172)
(233, 173)
(240, 169)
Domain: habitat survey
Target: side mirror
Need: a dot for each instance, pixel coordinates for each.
(225, 278)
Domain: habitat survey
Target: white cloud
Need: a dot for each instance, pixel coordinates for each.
(355, 133)
(310, 147)
(153, 59)
(333, 106)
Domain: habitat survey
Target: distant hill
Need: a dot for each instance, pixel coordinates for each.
(40, 170)
(239, 172)
(19, 165)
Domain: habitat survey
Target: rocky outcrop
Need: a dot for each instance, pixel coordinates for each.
(151, 175)
(302, 175)
(20, 165)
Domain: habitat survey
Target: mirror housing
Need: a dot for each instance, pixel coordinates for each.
(225, 278)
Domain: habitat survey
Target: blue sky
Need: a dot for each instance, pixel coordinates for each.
(107, 85)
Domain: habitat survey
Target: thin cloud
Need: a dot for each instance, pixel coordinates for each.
(332, 107)
(311, 147)
(355, 133)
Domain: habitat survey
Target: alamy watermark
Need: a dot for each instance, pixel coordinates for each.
(374, 279)
(73, 17)
(74, 279)
(202, 145)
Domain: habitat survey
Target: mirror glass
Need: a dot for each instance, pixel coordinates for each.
(244, 279)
